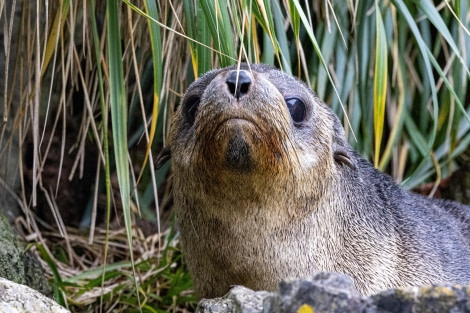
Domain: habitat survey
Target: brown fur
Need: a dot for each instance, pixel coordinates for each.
(260, 199)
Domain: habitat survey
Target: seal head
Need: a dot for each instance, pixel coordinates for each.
(236, 123)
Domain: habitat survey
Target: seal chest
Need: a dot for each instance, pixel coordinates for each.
(267, 188)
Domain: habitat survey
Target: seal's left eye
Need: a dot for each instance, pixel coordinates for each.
(297, 109)
(190, 107)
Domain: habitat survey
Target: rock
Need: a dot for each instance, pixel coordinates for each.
(239, 299)
(16, 298)
(248, 301)
(18, 265)
(218, 305)
(423, 300)
(324, 292)
(334, 292)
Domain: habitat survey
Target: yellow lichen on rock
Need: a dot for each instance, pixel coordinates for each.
(436, 291)
(305, 308)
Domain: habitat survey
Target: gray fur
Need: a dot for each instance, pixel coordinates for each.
(296, 200)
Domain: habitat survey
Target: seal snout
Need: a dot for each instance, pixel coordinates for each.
(238, 83)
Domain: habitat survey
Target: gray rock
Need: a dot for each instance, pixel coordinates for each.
(334, 292)
(325, 292)
(218, 305)
(248, 301)
(424, 300)
(18, 265)
(239, 299)
(16, 298)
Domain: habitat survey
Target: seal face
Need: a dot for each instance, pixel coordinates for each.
(266, 188)
(237, 120)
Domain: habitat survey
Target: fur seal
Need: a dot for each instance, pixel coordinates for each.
(266, 188)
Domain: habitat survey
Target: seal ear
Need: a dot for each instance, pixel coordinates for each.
(340, 151)
(163, 156)
(341, 155)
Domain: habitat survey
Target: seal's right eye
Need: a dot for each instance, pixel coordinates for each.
(297, 109)
(190, 108)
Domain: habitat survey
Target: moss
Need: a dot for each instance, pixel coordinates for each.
(17, 264)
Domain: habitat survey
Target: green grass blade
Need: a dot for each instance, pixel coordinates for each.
(399, 116)
(204, 45)
(189, 12)
(432, 14)
(204, 60)
(448, 85)
(58, 282)
(295, 18)
(269, 52)
(197, 28)
(104, 114)
(423, 49)
(328, 46)
(119, 118)
(421, 45)
(380, 83)
(156, 43)
(219, 24)
(316, 47)
(262, 12)
(416, 137)
(281, 37)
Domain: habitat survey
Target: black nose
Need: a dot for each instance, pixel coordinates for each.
(238, 88)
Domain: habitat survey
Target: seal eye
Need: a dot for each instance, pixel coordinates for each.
(297, 109)
(190, 108)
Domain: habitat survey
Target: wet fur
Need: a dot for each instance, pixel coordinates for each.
(300, 200)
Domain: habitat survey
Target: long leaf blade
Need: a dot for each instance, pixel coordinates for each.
(119, 118)
(380, 83)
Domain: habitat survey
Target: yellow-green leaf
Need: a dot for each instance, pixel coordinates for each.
(380, 83)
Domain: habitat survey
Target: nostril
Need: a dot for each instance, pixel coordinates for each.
(238, 87)
(244, 87)
(231, 87)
